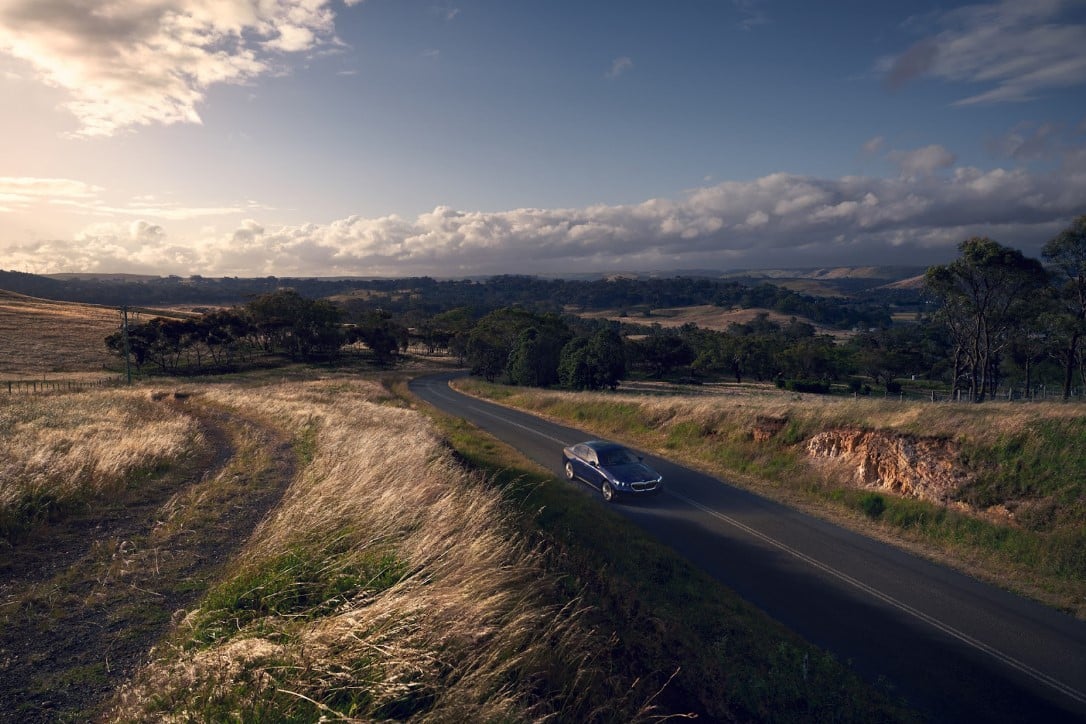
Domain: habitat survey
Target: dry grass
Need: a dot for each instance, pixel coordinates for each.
(61, 450)
(52, 337)
(48, 339)
(440, 617)
(706, 316)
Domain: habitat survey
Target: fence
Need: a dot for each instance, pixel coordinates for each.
(1040, 393)
(38, 386)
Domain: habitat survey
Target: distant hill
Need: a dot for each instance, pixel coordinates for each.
(42, 338)
(707, 316)
(830, 281)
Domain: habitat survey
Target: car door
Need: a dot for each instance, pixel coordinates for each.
(582, 463)
(593, 474)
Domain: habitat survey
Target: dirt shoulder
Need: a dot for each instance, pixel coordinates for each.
(83, 601)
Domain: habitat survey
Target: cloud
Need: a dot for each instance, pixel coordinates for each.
(1029, 142)
(20, 192)
(922, 161)
(1016, 50)
(129, 63)
(873, 145)
(447, 11)
(778, 220)
(46, 195)
(618, 67)
(751, 13)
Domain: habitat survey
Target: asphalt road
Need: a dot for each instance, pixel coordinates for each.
(957, 649)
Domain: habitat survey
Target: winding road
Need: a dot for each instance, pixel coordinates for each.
(957, 649)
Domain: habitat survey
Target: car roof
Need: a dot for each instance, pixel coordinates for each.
(598, 445)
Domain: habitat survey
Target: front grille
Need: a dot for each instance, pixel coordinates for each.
(641, 487)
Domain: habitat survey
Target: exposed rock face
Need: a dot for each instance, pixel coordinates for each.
(766, 427)
(924, 468)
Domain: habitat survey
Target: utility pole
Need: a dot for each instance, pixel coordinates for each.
(127, 363)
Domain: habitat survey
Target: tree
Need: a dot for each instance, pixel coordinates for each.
(983, 296)
(663, 352)
(593, 363)
(534, 359)
(380, 334)
(303, 328)
(518, 345)
(1067, 255)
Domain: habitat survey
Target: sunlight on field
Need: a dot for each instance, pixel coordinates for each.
(706, 316)
(435, 604)
(43, 337)
(71, 448)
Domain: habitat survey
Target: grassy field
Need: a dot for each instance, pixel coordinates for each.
(412, 569)
(706, 316)
(61, 452)
(394, 582)
(1018, 519)
(43, 339)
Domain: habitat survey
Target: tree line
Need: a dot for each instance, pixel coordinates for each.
(993, 314)
(278, 324)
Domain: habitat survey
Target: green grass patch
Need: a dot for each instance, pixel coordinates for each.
(1047, 459)
(304, 583)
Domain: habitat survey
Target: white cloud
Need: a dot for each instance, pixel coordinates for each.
(874, 145)
(618, 67)
(922, 161)
(1017, 50)
(129, 63)
(22, 192)
(777, 220)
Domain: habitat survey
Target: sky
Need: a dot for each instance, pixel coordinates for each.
(470, 137)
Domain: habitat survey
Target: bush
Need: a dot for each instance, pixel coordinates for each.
(872, 504)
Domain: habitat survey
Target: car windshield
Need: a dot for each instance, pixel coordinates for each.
(620, 456)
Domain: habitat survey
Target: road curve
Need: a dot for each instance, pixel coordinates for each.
(957, 649)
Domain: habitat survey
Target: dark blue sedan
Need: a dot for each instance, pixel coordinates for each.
(610, 468)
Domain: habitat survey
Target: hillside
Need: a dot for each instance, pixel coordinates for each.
(42, 337)
(706, 316)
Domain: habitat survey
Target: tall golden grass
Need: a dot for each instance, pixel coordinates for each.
(70, 448)
(460, 633)
(45, 337)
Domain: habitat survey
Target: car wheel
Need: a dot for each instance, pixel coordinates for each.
(607, 491)
(569, 470)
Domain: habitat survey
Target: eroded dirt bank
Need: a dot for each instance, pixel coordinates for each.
(916, 467)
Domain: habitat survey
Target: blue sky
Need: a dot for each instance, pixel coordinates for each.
(403, 137)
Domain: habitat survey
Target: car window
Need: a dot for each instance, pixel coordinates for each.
(620, 456)
(584, 453)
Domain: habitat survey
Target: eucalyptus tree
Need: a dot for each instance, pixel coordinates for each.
(984, 297)
(1066, 253)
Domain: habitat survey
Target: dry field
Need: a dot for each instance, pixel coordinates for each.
(40, 338)
(61, 451)
(386, 583)
(43, 339)
(706, 316)
(420, 601)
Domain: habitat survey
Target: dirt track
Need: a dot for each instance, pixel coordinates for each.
(82, 601)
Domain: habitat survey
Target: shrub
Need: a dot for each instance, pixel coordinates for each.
(872, 504)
